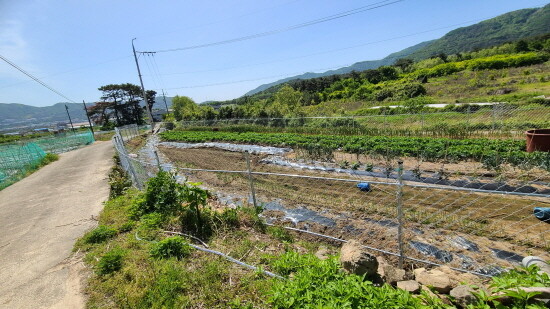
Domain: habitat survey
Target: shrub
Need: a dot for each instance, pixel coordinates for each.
(229, 218)
(280, 233)
(170, 247)
(118, 180)
(49, 158)
(100, 234)
(321, 284)
(110, 262)
(163, 195)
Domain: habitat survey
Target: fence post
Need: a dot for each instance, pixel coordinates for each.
(400, 212)
(157, 158)
(493, 116)
(250, 179)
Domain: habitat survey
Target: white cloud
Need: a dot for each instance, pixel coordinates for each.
(14, 47)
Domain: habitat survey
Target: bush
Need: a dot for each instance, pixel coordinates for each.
(49, 158)
(118, 180)
(163, 195)
(110, 262)
(170, 247)
(100, 234)
(280, 233)
(321, 284)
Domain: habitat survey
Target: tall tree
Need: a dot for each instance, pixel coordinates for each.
(185, 108)
(124, 100)
(151, 94)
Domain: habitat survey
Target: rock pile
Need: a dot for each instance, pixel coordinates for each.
(443, 280)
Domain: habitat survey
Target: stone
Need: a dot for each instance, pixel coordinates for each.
(382, 263)
(392, 275)
(434, 278)
(462, 295)
(322, 253)
(410, 286)
(354, 259)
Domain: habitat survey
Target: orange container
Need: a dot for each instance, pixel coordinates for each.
(538, 140)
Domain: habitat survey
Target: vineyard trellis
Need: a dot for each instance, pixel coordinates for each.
(438, 213)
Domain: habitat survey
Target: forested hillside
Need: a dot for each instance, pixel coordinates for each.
(513, 72)
(512, 26)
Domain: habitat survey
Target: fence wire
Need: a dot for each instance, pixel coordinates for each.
(475, 120)
(465, 214)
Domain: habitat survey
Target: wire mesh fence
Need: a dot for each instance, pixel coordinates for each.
(479, 214)
(138, 170)
(18, 159)
(493, 120)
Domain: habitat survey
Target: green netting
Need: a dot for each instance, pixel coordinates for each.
(64, 143)
(18, 159)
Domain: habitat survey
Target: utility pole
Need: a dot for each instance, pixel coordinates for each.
(67, 109)
(164, 98)
(143, 89)
(89, 121)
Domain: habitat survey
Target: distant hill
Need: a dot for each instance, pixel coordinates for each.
(14, 112)
(16, 115)
(501, 29)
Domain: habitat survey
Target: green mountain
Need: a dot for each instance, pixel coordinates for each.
(495, 31)
(511, 26)
(14, 115)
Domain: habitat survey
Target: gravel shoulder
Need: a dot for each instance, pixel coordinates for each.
(41, 218)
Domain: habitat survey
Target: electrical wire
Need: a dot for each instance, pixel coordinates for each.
(369, 7)
(35, 79)
(252, 80)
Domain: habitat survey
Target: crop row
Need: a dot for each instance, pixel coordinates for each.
(429, 149)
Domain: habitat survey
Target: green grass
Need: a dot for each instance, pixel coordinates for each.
(165, 272)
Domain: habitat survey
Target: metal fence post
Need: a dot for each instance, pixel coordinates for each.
(250, 179)
(157, 158)
(400, 212)
(493, 116)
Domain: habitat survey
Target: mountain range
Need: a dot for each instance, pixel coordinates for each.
(15, 115)
(508, 27)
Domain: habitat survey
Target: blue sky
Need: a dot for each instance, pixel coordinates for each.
(77, 46)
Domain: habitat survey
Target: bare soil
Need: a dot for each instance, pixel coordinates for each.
(484, 218)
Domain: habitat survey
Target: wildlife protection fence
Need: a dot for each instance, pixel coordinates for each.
(18, 159)
(412, 212)
(493, 120)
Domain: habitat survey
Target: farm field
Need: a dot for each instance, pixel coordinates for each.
(496, 221)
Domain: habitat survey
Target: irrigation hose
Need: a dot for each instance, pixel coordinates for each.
(225, 256)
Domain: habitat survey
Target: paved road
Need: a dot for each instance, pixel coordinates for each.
(41, 216)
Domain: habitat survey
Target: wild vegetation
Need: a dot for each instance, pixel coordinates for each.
(137, 265)
(513, 72)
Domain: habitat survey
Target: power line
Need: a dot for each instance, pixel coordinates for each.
(252, 80)
(272, 32)
(341, 49)
(72, 70)
(35, 79)
(327, 51)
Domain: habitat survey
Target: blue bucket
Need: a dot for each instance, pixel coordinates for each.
(542, 213)
(364, 186)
